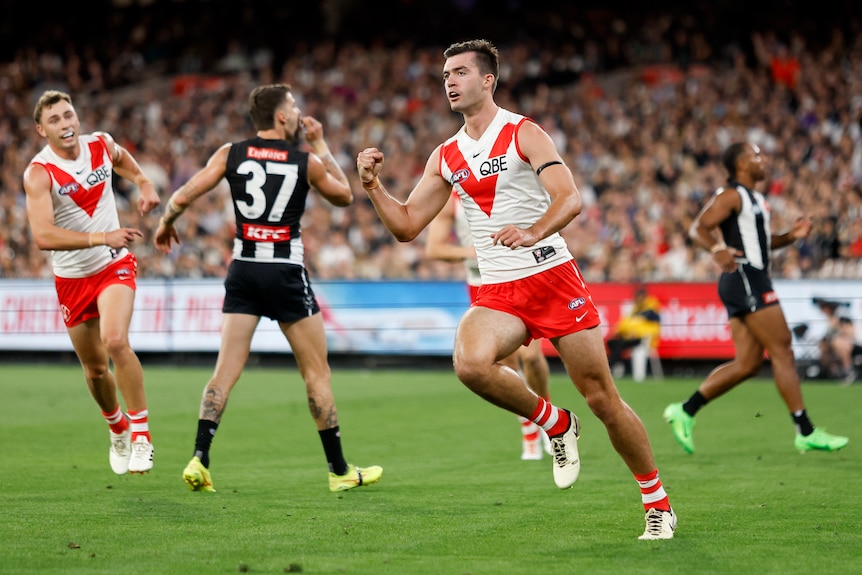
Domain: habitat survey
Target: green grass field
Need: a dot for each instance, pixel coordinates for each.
(455, 497)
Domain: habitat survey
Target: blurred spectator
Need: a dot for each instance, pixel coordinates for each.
(840, 354)
(643, 321)
(806, 351)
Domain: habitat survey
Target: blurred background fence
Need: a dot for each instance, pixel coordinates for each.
(404, 318)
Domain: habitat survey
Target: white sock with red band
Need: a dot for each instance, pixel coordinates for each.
(140, 424)
(116, 421)
(529, 430)
(652, 492)
(552, 419)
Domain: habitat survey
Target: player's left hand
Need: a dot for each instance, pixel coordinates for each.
(312, 129)
(148, 198)
(514, 237)
(165, 236)
(801, 228)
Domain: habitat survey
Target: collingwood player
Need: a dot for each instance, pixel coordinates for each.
(735, 227)
(270, 177)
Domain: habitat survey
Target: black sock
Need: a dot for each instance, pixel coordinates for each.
(694, 403)
(331, 439)
(206, 431)
(803, 424)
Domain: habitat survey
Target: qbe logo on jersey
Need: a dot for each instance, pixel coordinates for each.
(493, 166)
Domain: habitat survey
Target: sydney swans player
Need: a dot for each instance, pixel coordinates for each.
(517, 195)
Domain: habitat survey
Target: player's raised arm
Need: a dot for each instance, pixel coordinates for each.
(199, 184)
(127, 167)
(404, 219)
(324, 173)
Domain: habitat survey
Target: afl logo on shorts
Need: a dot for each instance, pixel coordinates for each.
(123, 274)
(460, 176)
(67, 315)
(577, 303)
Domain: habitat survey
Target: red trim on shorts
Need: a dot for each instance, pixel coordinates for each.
(78, 297)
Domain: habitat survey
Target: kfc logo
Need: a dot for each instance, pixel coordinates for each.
(258, 233)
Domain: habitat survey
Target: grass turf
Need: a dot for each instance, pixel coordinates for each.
(454, 498)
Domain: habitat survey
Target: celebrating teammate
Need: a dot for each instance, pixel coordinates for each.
(72, 212)
(517, 194)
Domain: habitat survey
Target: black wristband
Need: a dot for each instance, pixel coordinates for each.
(547, 165)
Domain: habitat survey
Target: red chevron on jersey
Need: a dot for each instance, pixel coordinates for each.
(86, 198)
(482, 191)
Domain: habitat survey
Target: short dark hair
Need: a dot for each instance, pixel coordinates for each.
(731, 156)
(487, 56)
(48, 99)
(263, 102)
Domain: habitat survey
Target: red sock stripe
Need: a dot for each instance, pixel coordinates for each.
(114, 416)
(652, 489)
(553, 420)
(662, 504)
(140, 423)
(648, 477)
(652, 492)
(116, 420)
(562, 424)
(543, 410)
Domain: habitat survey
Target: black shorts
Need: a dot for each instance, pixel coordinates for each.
(278, 291)
(746, 290)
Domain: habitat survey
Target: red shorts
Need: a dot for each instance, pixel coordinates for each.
(78, 296)
(553, 303)
(473, 291)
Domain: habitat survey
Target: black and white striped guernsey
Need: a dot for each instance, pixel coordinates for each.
(749, 231)
(269, 186)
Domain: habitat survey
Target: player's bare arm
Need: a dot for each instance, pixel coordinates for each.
(327, 177)
(201, 183)
(438, 242)
(127, 167)
(703, 229)
(556, 178)
(324, 173)
(405, 220)
(40, 214)
(800, 229)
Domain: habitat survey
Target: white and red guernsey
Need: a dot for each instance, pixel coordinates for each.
(497, 187)
(83, 195)
(462, 232)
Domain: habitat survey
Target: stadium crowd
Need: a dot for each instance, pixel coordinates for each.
(639, 109)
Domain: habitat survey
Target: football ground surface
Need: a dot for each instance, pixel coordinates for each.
(455, 498)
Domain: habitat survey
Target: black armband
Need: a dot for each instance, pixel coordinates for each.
(547, 165)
